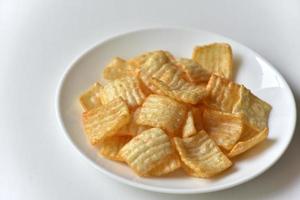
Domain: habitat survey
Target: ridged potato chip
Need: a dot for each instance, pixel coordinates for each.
(224, 128)
(223, 94)
(111, 146)
(104, 121)
(163, 112)
(215, 58)
(193, 70)
(169, 165)
(168, 80)
(147, 151)
(158, 66)
(91, 98)
(198, 118)
(189, 128)
(127, 88)
(201, 156)
(255, 111)
(134, 128)
(119, 68)
(230, 97)
(245, 145)
(186, 93)
(141, 59)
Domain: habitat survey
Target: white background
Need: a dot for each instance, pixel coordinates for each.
(39, 39)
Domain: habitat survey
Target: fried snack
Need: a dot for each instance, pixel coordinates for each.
(171, 81)
(127, 88)
(163, 112)
(223, 94)
(194, 71)
(224, 128)
(158, 66)
(254, 110)
(111, 146)
(169, 164)
(230, 97)
(250, 142)
(141, 59)
(198, 118)
(104, 121)
(134, 128)
(91, 98)
(189, 128)
(201, 156)
(119, 68)
(147, 150)
(215, 58)
(186, 93)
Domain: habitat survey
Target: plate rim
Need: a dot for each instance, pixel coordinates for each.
(157, 188)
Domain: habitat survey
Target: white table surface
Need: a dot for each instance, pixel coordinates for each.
(39, 39)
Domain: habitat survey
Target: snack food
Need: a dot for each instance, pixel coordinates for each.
(215, 58)
(158, 114)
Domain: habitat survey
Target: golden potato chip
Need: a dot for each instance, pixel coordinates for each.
(223, 94)
(231, 97)
(215, 58)
(245, 145)
(158, 66)
(201, 156)
(91, 98)
(189, 128)
(162, 112)
(163, 77)
(255, 111)
(110, 147)
(141, 59)
(134, 128)
(224, 128)
(127, 88)
(169, 164)
(119, 68)
(104, 121)
(147, 151)
(194, 71)
(197, 115)
(186, 93)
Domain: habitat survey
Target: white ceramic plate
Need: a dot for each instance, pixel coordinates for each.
(252, 70)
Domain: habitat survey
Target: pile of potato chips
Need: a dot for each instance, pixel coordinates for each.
(158, 114)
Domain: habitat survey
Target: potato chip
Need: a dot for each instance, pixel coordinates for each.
(127, 88)
(197, 115)
(169, 164)
(119, 68)
(223, 94)
(245, 145)
(215, 58)
(231, 97)
(134, 128)
(194, 71)
(201, 156)
(104, 121)
(164, 77)
(163, 112)
(91, 98)
(224, 128)
(186, 93)
(111, 146)
(255, 111)
(147, 151)
(141, 59)
(189, 128)
(158, 66)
